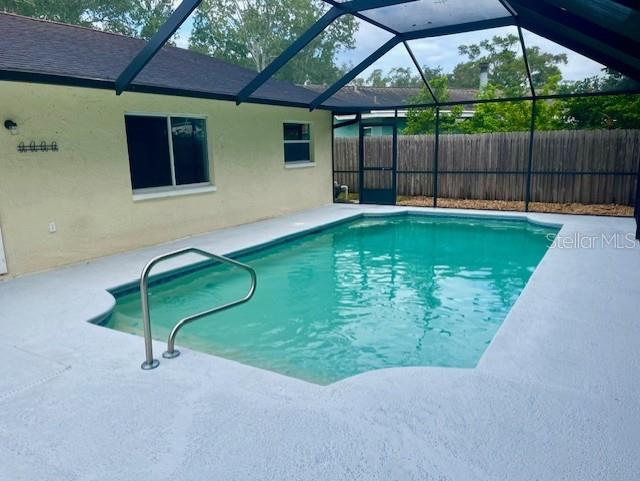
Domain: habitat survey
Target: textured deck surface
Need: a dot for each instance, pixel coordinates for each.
(555, 396)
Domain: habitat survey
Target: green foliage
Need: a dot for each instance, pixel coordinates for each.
(420, 121)
(515, 116)
(506, 64)
(609, 112)
(129, 17)
(150, 15)
(252, 33)
(497, 116)
(612, 112)
(397, 77)
(404, 77)
(606, 112)
(489, 116)
(507, 78)
(376, 79)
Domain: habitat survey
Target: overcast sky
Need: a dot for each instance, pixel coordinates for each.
(443, 51)
(439, 51)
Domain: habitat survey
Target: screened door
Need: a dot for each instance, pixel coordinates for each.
(378, 160)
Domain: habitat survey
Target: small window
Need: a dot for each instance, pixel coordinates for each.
(297, 143)
(166, 152)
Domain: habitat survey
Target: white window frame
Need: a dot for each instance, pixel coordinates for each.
(299, 163)
(174, 189)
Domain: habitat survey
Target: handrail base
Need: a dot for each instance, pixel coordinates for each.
(147, 366)
(171, 354)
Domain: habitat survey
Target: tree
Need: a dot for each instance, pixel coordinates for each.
(497, 116)
(404, 77)
(515, 116)
(112, 16)
(252, 33)
(489, 116)
(608, 112)
(423, 121)
(621, 111)
(129, 17)
(150, 15)
(397, 77)
(376, 79)
(506, 65)
(506, 79)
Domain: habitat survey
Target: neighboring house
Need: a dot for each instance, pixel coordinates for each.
(84, 173)
(386, 97)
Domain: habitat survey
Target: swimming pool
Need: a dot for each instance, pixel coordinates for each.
(371, 293)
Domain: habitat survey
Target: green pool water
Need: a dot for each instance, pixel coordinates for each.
(372, 293)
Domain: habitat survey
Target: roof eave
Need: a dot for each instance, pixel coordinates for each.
(104, 84)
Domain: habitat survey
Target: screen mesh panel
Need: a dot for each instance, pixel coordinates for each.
(580, 74)
(607, 13)
(426, 14)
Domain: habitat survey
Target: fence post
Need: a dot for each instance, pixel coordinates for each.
(527, 195)
(435, 159)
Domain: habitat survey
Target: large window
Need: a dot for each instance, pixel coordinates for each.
(166, 152)
(297, 143)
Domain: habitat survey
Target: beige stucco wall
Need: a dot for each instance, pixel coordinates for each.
(85, 188)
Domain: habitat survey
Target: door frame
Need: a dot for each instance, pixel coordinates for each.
(379, 196)
(3, 259)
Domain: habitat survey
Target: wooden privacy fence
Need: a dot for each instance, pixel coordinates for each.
(585, 166)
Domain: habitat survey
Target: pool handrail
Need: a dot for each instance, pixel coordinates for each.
(171, 352)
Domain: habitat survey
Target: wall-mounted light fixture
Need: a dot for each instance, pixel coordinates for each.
(11, 126)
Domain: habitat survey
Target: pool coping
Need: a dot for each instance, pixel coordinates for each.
(165, 276)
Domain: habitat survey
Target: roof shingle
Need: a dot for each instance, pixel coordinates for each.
(381, 97)
(39, 49)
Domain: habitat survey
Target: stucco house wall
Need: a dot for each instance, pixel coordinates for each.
(85, 188)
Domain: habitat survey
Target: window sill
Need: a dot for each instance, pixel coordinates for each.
(160, 194)
(299, 165)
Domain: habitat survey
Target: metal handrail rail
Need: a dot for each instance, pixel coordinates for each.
(150, 362)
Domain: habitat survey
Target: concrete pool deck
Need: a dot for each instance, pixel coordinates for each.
(555, 396)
